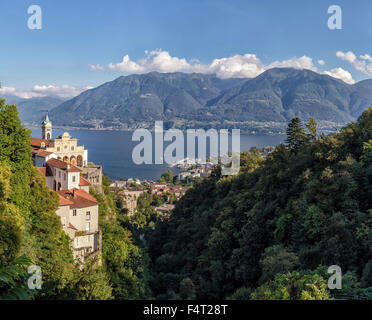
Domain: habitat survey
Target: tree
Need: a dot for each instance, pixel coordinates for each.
(293, 286)
(242, 293)
(366, 157)
(311, 126)
(90, 283)
(366, 280)
(13, 280)
(167, 177)
(15, 150)
(296, 135)
(277, 260)
(187, 289)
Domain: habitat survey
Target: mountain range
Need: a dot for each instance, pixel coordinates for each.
(32, 111)
(200, 100)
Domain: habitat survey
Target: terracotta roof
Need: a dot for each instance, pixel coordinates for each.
(63, 201)
(71, 226)
(78, 198)
(42, 170)
(41, 153)
(35, 142)
(45, 171)
(84, 182)
(63, 165)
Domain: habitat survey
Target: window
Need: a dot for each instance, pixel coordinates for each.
(73, 178)
(65, 147)
(74, 212)
(87, 228)
(64, 176)
(59, 174)
(72, 148)
(87, 215)
(58, 149)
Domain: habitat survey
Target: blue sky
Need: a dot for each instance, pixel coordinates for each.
(82, 43)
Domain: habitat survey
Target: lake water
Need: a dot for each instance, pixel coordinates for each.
(113, 150)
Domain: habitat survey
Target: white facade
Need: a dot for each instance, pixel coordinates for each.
(62, 179)
(81, 224)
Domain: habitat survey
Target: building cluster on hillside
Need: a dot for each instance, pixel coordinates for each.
(67, 171)
(131, 190)
(199, 170)
(164, 210)
(161, 189)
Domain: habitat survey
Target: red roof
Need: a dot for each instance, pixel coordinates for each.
(45, 171)
(63, 201)
(41, 153)
(71, 226)
(84, 182)
(42, 170)
(35, 142)
(62, 165)
(78, 198)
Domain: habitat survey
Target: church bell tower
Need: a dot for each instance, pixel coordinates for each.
(46, 128)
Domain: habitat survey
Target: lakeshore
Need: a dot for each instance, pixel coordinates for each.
(113, 150)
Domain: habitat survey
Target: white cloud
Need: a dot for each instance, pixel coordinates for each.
(156, 60)
(19, 94)
(341, 74)
(364, 65)
(303, 62)
(127, 66)
(321, 62)
(63, 91)
(96, 67)
(163, 62)
(366, 57)
(237, 66)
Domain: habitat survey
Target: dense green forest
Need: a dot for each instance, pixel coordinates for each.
(272, 231)
(31, 233)
(269, 232)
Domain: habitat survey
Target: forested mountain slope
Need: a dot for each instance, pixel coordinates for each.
(272, 231)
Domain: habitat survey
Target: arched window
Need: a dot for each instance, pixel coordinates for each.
(48, 136)
(59, 186)
(66, 159)
(55, 185)
(73, 160)
(80, 161)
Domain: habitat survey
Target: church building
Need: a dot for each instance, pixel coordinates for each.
(62, 162)
(64, 147)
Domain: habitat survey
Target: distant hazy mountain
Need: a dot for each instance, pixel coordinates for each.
(276, 95)
(33, 110)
